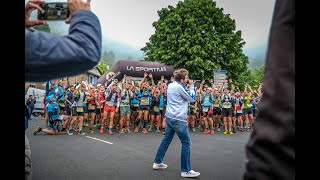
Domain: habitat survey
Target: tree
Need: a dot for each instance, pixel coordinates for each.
(43, 27)
(253, 78)
(102, 67)
(196, 35)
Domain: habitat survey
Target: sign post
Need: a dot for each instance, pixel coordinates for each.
(219, 76)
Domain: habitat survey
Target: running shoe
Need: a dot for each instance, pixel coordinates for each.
(136, 129)
(81, 132)
(144, 130)
(225, 132)
(207, 131)
(101, 130)
(91, 131)
(150, 129)
(121, 131)
(110, 132)
(76, 129)
(37, 130)
(199, 126)
(193, 130)
(87, 124)
(70, 132)
(219, 130)
(234, 130)
(128, 130)
(158, 131)
(212, 132)
(230, 132)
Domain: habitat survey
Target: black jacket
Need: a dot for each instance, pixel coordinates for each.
(271, 148)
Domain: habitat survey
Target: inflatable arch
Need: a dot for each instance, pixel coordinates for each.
(136, 69)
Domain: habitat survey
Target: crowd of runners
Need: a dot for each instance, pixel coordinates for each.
(128, 106)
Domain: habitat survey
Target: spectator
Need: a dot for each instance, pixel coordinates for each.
(30, 103)
(48, 56)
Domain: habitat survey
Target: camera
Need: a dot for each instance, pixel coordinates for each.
(54, 11)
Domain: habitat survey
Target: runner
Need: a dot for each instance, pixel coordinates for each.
(163, 103)
(53, 115)
(238, 102)
(155, 110)
(247, 105)
(92, 107)
(226, 110)
(100, 105)
(192, 111)
(125, 106)
(207, 110)
(144, 106)
(112, 96)
(69, 102)
(77, 109)
(134, 104)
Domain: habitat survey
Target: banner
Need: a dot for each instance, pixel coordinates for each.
(136, 69)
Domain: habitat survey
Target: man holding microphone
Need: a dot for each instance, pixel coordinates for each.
(176, 119)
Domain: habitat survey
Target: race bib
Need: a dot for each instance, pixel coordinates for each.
(79, 109)
(216, 105)
(227, 105)
(239, 111)
(238, 107)
(136, 105)
(156, 109)
(205, 109)
(249, 105)
(161, 108)
(91, 107)
(62, 104)
(145, 101)
(100, 107)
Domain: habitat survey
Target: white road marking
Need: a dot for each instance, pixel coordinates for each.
(99, 140)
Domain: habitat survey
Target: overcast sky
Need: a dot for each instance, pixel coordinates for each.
(130, 21)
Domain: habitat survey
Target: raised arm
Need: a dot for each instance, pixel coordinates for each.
(142, 81)
(152, 81)
(123, 81)
(201, 85)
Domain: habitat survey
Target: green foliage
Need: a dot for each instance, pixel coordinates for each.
(198, 36)
(102, 67)
(253, 78)
(43, 27)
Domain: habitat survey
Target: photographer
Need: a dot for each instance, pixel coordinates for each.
(48, 56)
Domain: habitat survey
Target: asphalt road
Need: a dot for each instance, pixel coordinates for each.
(130, 156)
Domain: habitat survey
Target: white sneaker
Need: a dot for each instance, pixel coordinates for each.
(159, 166)
(191, 173)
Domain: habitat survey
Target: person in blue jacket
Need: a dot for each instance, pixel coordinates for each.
(49, 56)
(53, 117)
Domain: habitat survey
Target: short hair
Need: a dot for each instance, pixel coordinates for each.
(180, 74)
